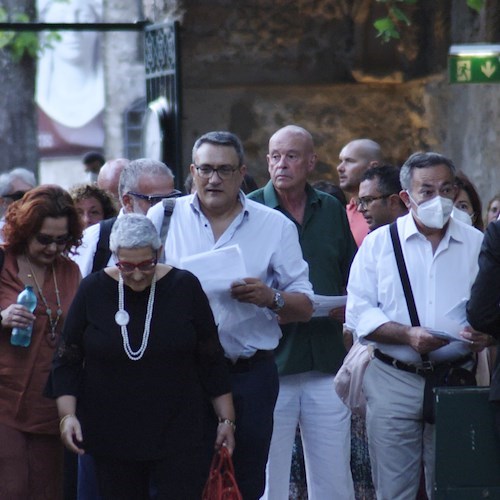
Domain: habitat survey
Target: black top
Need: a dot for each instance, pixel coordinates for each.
(139, 410)
(483, 308)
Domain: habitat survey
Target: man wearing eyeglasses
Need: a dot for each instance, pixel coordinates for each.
(276, 288)
(440, 255)
(310, 353)
(379, 200)
(143, 183)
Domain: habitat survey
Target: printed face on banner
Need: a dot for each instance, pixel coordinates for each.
(70, 83)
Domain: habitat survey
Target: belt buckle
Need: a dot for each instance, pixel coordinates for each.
(426, 367)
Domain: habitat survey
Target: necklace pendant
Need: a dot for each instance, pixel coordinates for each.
(59, 312)
(48, 311)
(122, 318)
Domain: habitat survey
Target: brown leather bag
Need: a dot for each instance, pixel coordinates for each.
(221, 482)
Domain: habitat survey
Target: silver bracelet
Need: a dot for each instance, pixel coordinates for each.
(228, 422)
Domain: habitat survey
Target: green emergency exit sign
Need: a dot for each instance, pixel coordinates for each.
(474, 64)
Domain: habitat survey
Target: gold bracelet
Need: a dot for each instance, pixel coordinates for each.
(63, 419)
(228, 422)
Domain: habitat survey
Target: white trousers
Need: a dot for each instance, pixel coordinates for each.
(398, 439)
(309, 399)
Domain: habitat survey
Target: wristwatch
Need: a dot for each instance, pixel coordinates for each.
(278, 301)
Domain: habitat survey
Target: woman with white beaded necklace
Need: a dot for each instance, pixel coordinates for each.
(40, 229)
(139, 357)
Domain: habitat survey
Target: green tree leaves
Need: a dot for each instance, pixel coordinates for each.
(388, 27)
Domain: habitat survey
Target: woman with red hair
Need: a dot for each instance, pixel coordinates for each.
(40, 229)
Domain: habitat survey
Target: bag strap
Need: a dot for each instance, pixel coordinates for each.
(168, 210)
(403, 274)
(103, 253)
(405, 280)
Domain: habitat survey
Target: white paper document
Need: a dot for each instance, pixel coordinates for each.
(448, 336)
(323, 304)
(458, 313)
(216, 270)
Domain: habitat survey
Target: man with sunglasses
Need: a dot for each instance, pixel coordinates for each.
(13, 186)
(275, 288)
(143, 183)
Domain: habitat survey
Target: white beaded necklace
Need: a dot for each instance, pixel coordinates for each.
(122, 319)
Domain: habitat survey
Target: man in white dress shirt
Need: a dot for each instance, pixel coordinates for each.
(276, 287)
(441, 258)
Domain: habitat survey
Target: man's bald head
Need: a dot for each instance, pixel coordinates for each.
(356, 158)
(109, 176)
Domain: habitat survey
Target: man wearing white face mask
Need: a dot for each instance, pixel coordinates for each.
(441, 259)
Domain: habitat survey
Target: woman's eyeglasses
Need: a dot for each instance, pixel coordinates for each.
(46, 239)
(128, 267)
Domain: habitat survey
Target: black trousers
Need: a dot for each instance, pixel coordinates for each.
(174, 477)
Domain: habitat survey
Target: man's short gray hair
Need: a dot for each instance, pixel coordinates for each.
(131, 173)
(221, 138)
(422, 160)
(133, 231)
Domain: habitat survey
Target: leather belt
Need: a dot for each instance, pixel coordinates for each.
(424, 369)
(246, 364)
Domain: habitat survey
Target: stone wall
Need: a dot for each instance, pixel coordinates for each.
(253, 66)
(396, 116)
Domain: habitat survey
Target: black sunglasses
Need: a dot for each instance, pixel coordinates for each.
(156, 198)
(45, 239)
(17, 195)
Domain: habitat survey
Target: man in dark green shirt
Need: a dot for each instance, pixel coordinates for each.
(309, 354)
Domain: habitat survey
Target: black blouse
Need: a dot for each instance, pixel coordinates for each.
(139, 410)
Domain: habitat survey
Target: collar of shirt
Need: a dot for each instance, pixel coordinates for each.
(271, 196)
(410, 229)
(195, 202)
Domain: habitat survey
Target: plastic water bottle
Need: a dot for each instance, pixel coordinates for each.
(22, 336)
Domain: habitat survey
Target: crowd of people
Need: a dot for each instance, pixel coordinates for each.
(168, 325)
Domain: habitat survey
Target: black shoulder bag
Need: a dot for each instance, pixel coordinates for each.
(448, 373)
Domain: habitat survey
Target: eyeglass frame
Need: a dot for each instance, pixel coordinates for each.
(47, 239)
(16, 195)
(132, 267)
(227, 174)
(159, 197)
(365, 201)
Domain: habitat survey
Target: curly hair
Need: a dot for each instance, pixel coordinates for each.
(86, 191)
(25, 217)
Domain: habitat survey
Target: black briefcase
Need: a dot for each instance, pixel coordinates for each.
(467, 446)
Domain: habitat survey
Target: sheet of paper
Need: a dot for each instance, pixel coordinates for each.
(458, 313)
(216, 269)
(448, 336)
(323, 304)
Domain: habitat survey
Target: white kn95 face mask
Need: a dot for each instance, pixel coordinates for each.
(434, 213)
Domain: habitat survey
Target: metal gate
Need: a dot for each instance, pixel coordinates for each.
(163, 93)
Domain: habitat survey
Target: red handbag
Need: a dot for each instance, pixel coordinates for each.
(221, 482)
